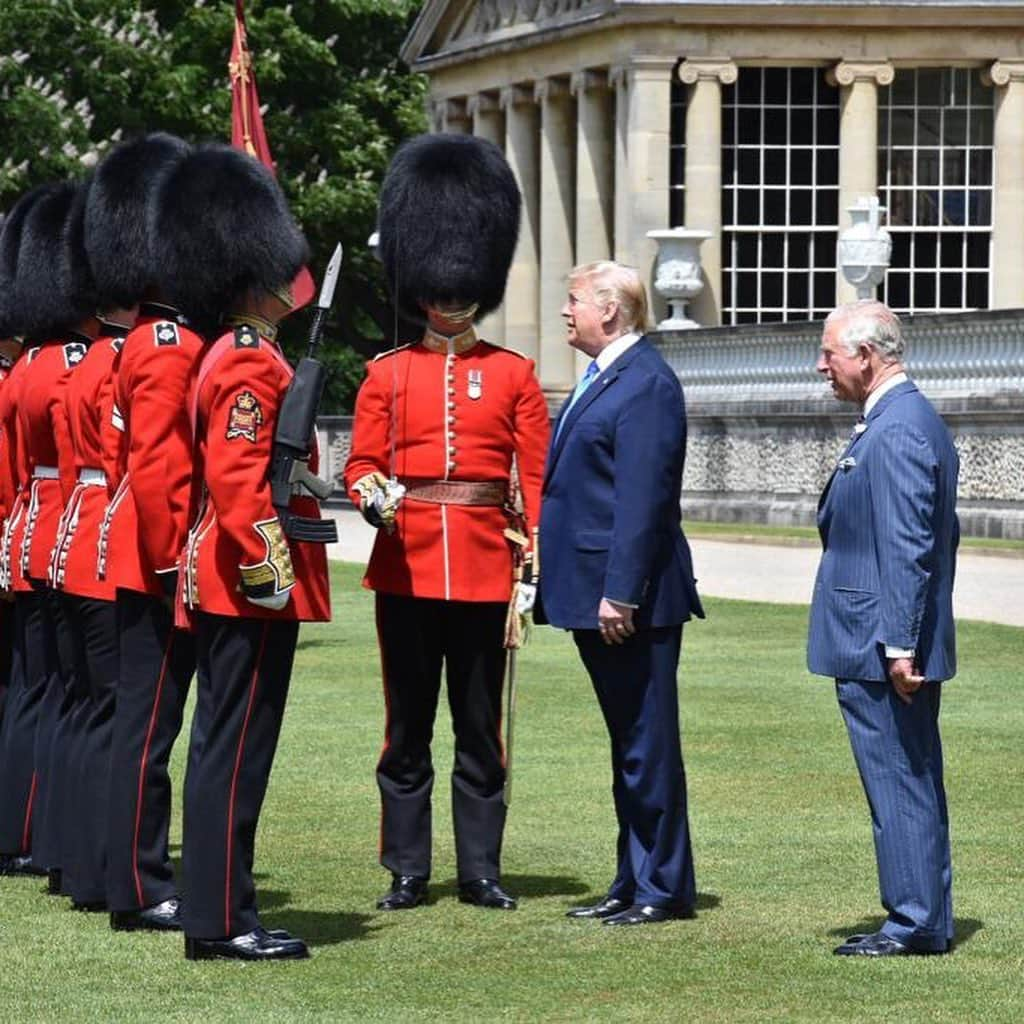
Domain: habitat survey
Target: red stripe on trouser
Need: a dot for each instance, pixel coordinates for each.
(387, 721)
(26, 834)
(234, 781)
(142, 768)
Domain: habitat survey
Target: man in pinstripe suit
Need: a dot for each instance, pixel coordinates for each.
(882, 618)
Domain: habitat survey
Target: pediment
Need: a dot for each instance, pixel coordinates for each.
(453, 26)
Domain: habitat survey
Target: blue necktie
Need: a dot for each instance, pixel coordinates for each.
(585, 381)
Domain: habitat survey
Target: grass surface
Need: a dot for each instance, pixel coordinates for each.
(781, 836)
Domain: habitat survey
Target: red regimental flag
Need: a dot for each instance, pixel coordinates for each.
(247, 131)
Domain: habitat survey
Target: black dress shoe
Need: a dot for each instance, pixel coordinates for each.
(164, 917)
(17, 865)
(406, 892)
(605, 908)
(640, 914)
(258, 944)
(486, 892)
(880, 944)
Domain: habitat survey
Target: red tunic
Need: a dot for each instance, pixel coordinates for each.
(145, 525)
(237, 543)
(42, 435)
(12, 476)
(73, 564)
(460, 416)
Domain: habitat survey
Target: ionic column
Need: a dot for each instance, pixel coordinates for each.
(595, 172)
(522, 150)
(1008, 185)
(858, 140)
(643, 91)
(557, 230)
(706, 76)
(488, 122)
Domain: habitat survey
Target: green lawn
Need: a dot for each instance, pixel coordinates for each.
(781, 837)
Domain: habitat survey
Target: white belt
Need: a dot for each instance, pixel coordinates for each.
(45, 473)
(92, 477)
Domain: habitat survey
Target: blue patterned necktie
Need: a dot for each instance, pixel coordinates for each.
(584, 383)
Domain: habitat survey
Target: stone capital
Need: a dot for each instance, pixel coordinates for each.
(587, 81)
(846, 72)
(481, 103)
(705, 69)
(545, 89)
(515, 96)
(1004, 72)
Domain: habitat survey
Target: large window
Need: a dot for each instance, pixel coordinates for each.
(780, 195)
(935, 177)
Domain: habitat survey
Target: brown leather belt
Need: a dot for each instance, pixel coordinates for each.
(457, 492)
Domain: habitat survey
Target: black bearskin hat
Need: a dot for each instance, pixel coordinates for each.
(76, 277)
(11, 323)
(123, 257)
(224, 227)
(45, 305)
(448, 223)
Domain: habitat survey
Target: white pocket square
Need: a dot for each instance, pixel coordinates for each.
(848, 463)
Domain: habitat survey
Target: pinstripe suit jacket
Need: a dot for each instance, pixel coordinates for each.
(888, 526)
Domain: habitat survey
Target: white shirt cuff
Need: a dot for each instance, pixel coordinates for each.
(621, 604)
(898, 652)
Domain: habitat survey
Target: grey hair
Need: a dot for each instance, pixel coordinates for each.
(616, 282)
(869, 322)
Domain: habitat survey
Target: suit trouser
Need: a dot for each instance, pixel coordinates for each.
(635, 683)
(29, 675)
(156, 666)
(418, 635)
(6, 654)
(899, 756)
(244, 668)
(94, 624)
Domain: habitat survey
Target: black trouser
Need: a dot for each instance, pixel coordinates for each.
(156, 666)
(417, 636)
(244, 667)
(87, 794)
(6, 654)
(30, 670)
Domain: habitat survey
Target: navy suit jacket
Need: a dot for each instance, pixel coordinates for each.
(889, 531)
(609, 522)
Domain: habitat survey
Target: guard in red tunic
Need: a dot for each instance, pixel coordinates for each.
(444, 421)
(144, 527)
(62, 323)
(87, 601)
(245, 584)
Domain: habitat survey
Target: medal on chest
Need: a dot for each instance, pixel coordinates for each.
(475, 384)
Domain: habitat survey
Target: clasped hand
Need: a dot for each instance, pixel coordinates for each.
(615, 621)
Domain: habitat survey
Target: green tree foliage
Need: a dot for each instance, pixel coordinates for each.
(78, 75)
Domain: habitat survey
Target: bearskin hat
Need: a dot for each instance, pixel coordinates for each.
(76, 277)
(224, 227)
(448, 223)
(11, 323)
(123, 257)
(44, 302)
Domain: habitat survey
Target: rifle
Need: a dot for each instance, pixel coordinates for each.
(296, 423)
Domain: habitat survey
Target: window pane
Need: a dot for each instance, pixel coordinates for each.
(746, 250)
(924, 291)
(775, 207)
(800, 166)
(902, 122)
(827, 203)
(977, 250)
(828, 127)
(897, 290)
(925, 249)
(979, 212)
(748, 86)
(928, 167)
(825, 289)
(747, 206)
(828, 165)
(802, 84)
(980, 164)
(977, 291)
(927, 209)
(954, 207)
(801, 127)
(775, 167)
(901, 92)
(950, 291)
(774, 126)
(800, 208)
(771, 289)
(749, 125)
(954, 126)
(772, 247)
(776, 86)
(931, 87)
(748, 166)
(951, 250)
(799, 250)
(797, 285)
(954, 167)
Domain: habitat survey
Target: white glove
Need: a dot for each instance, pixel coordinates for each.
(526, 597)
(275, 602)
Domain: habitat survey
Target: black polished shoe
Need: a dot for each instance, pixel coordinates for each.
(605, 908)
(880, 944)
(406, 892)
(486, 892)
(54, 881)
(164, 917)
(259, 944)
(640, 914)
(17, 865)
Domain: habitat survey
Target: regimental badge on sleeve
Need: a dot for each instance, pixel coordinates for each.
(246, 337)
(245, 418)
(165, 333)
(74, 353)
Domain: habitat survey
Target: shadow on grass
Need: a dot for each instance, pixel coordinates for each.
(312, 642)
(521, 885)
(963, 928)
(705, 900)
(322, 927)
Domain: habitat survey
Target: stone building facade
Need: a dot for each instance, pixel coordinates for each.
(759, 122)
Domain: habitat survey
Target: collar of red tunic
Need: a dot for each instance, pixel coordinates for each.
(445, 344)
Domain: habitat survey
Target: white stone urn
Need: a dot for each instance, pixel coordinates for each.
(865, 247)
(677, 273)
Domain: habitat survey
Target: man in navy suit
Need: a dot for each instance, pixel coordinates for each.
(616, 570)
(882, 618)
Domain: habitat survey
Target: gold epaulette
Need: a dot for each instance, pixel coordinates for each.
(392, 351)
